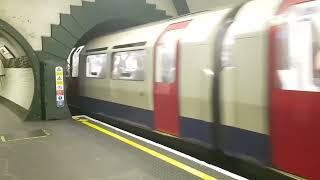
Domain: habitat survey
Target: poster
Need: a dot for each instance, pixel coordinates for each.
(59, 87)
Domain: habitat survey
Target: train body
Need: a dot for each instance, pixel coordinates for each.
(221, 78)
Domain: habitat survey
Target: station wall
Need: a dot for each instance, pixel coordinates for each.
(16, 74)
(49, 29)
(32, 18)
(165, 5)
(18, 86)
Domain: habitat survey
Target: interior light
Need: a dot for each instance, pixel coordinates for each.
(208, 72)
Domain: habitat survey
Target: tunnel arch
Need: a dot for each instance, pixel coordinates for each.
(84, 21)
(109, 26)
(84, 18)
(34, 111)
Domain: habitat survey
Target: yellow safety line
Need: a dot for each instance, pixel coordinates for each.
(150, 151)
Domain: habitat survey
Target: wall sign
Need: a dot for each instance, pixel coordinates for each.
(59, 87)
(5, 52)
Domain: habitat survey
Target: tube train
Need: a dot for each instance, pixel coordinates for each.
(247, 77)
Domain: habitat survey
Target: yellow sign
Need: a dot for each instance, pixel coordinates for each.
(59, 87)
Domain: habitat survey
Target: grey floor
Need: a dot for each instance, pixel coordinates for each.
(74, 151)
(11, 116)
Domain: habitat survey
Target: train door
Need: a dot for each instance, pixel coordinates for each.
(166, 79)
(295, 89)
(69, 77)
(73, 74)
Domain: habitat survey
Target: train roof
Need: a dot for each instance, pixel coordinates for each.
(198, 29)
(252, 17)
(176, 18)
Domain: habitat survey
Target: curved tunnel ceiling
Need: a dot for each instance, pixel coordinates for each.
(17, 78)
(88, 21)
(84, 22)
(107, 15)
(106, 27)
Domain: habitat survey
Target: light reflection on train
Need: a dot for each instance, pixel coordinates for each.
(251, 73)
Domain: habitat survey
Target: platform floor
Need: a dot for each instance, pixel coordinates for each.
(11, 116)
(75, 150)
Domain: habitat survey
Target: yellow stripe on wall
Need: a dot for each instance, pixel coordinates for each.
(59, 82)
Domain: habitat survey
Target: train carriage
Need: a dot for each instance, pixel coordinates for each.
(244, 80)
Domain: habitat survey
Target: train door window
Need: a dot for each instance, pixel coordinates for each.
(316, 53)
(96, 66)
(69, 63)
(128, 65)
(166, 57)
(227, 45)
(75, 62)
(298, 41)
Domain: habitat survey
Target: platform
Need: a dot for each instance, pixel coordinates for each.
(85, 149)
(11, 115)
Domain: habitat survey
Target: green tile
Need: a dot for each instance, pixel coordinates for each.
(54, 47)
(60, 34)
(85, 16)
(71, 25)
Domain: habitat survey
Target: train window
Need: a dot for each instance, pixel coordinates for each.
(166, 57)
(316, 55)
(128, 65)
(68, 72)
(298, 44)
(75, 62)
(96, 66)
(227, 45)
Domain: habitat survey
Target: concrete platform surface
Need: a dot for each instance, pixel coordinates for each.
(75, 151)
